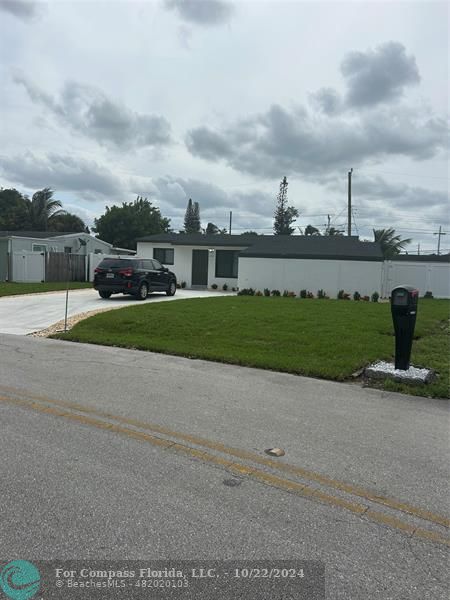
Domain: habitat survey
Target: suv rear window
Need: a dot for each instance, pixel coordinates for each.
(116, 263)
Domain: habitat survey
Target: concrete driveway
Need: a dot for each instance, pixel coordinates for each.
(21, 315)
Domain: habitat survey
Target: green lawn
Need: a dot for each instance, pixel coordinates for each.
(320, 338)
(11, 289)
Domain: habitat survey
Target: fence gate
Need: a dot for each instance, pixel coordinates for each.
(28, 267)
(61, 266)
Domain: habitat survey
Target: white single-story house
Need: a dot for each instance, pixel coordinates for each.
(293, 263)
(19, 251)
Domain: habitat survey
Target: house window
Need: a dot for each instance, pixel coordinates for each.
(68, 249)
(164, 255)
(227, 263)
(39, 248)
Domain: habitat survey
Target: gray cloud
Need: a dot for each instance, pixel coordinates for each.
(87, 109)
(202, 12)
(251, 208)
(327, 100)
(378, 75)
(298, 141)
(27, 10)
(398, 195)
(61, 173)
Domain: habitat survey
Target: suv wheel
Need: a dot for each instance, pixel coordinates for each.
(171, 290)
(105, 294)
(143, 291)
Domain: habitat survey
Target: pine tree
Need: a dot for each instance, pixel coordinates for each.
(196, 218)
(192, 217)
(284, 215)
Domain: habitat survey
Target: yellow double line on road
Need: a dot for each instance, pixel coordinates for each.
(83, 415)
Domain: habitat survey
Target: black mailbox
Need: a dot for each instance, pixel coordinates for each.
(404, 310)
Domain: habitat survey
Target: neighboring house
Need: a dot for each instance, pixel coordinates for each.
(275, 262)
(19, 251)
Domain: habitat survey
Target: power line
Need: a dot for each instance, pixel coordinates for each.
(365, 170)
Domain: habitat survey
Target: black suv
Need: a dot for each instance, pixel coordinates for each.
(136, 276)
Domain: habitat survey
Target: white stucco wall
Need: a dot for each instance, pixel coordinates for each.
(182, 266)
(297, 274)
(425, 276)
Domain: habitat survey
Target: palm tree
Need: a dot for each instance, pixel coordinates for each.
(391, 244)
(42, 208)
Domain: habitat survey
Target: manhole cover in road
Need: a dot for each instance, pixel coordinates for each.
(275, 452)
(232, 482)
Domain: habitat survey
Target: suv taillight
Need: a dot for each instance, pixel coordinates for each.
(128, 272)
(97, 270)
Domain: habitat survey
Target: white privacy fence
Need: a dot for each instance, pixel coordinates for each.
(430, 276)
(28, 267)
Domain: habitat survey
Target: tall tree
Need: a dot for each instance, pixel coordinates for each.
(311, 230)
(13, 210)
(391, 244)
(284, 215)
(42, 208)
(67, 223)
(332, 231)
(121, 225)
(192, 217)
(212, 229)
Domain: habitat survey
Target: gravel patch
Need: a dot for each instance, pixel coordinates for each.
(71, 321)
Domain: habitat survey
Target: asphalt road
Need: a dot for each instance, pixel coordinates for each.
(120, 454)
(21, 315)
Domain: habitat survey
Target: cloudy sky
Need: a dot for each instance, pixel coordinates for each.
(218, 100)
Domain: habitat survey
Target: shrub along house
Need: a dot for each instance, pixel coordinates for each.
(275, 262)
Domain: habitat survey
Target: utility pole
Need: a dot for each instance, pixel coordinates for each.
(349, 215)
(418, 249)
(231, 218)
(439, 234)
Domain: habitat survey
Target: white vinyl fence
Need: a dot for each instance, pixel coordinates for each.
(430, 276)
(28, 266)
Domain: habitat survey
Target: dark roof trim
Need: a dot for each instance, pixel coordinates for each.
(439, 258)
(369, 258)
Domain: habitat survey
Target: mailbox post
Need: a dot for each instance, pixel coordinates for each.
(404, 310)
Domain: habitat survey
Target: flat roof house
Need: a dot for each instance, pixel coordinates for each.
(274, 262)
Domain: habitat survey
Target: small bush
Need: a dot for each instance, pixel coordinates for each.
(258, 293)
(214, 286)
(309, 295)
(234, 289)
(285, 294)
(266, 292)
(276, 293)
(340, 295)
(183, 285)
(356, 296)
(375, 297)
(225, 287)
(428, 295)
(321, 294)
(178, 286)
(246, 292)
(366, 298)
(303, 293)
